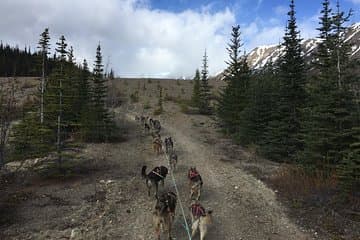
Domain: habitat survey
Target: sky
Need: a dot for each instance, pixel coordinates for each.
(157, 38)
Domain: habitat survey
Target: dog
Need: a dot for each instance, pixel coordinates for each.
(158, 174)
(169, 145)
(170, 199)
(146, 127)
(173, 159)
(200, 219)
(164, 213)
(151, 123)
(155, 136)
(195, 183)
(157, 146)
(157, 126)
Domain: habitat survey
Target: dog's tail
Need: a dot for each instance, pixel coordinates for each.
(143, 172)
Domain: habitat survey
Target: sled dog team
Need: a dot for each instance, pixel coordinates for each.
(164, 210)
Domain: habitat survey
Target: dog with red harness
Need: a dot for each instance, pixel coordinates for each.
(200, 219)
(195, 183)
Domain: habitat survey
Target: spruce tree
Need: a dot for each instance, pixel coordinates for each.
(286, 127)
(30, 138)
(261, 105)
(71, 84)
(195, 98)
(349, 167)
(205, 94)
(232, 99)
(84, 101)
(330, 120)
(59, 142)
(100, 119)
(44, 46)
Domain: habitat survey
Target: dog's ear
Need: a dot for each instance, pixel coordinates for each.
(210, 212)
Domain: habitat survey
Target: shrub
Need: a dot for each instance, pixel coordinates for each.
(184, 108)
(134, 97)
(158, 111)
(147, 105)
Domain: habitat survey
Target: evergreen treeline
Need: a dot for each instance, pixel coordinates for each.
(18, 62)
(71, 106)
(291, 115)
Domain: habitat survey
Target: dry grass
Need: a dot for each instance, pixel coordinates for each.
(315, 201)
(295, 181)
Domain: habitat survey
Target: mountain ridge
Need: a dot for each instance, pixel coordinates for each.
(259, 56)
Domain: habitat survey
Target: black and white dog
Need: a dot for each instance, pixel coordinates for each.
(154, 177)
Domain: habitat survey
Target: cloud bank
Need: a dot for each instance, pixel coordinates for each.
(136, 40)
(140, 41)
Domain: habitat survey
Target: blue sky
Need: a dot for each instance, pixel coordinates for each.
(157, 38)
(247, 10)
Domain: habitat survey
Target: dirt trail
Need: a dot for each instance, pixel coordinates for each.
(111, 202)
(244, 208)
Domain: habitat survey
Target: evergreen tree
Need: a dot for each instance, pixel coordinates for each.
(195, 98)
(261, 105)
(111, 74)
(84, 103)
(30, 138)
(205, 94)
(101, 122)
(59, 143)
(329, 126)
(349, 167)
(44, 45)
(71, 85)
(232, 99)
(285, 129)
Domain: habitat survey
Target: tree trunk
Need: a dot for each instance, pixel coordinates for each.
(59, 122)
(42, 92)
(338, 68)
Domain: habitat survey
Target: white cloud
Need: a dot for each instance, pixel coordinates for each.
(271, 31)
(138, 40)
(281, 10)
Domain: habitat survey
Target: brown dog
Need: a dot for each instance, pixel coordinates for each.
(195, 183)
(164, 213)
(157, 146)
(200, 220)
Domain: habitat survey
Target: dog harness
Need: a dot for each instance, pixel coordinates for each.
(197, 210)
(193, 174)
(156, 173)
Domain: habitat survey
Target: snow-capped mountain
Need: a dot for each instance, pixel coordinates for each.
(259, 56)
